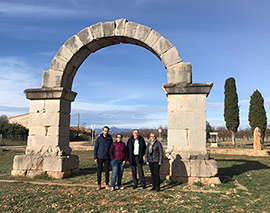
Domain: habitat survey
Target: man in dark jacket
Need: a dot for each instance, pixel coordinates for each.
(102, 156)
(136, 151)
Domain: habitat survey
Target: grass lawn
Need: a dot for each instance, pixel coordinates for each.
(245, 188)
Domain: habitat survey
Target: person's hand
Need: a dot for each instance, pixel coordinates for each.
(159, 163)
(147, 163)
(124, 162)
(96, 160)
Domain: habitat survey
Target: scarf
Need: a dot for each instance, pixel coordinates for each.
(150, 149)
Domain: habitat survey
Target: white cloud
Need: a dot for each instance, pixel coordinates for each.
(30, 10)
(16, 76)
(129, 116)
(218, 106)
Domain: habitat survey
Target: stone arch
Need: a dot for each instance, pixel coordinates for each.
(48, 149)
(77, 48)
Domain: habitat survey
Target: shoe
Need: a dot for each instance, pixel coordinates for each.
(98, 187)
(152, 189)
(112, 189)
(144, 187)
(120, 187)
(107, 187)
(157, 189)
(134, 186)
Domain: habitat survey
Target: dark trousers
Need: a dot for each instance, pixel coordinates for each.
(154, 168)
(100, 168)
(134, 172)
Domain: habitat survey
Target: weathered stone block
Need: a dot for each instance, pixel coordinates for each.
(142, 32)
(57, 130)
(37, 106)
(171, 57)
(37, 130)
(49, 119)
(108, 28)
(161, 46)
(120, 27)
(180, 167)
(177, 137)
(104, 42)
(64, 53)
(187, 103)
(18, 173)
(180, 72)
(58, 64)
(203, 168)
(97, 30)
(257, 139)
(93, 46)
(67, 81)
(76, 61)
(35, 140)
(198, 136)
(187, 152)
(152, 38)
(54, 105)
(33, 173)
(130, 29)
(53, 140)
(64, 163)
(186, 119)
(128, 40)
(26, 162)
(83, 53)
(74, 44)
(52, 78)
(85, 36)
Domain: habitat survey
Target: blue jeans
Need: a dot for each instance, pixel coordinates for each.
(117, 171)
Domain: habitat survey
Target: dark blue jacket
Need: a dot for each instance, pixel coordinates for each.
(102, 147)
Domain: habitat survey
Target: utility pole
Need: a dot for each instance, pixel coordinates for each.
(78, 124)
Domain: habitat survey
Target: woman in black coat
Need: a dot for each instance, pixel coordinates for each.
(154, 157)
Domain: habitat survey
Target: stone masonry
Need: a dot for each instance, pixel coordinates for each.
(48, 147)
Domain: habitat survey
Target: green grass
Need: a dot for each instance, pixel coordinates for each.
(250, 172)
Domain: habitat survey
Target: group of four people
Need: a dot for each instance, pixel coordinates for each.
(118, 153)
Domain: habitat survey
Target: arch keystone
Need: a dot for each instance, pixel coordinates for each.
(120, 27)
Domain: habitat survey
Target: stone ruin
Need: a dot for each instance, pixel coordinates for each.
(48, 149)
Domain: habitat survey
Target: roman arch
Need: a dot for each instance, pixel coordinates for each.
(48, 142)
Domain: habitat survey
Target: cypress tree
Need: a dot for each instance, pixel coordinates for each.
(257, 114)
(231, 108)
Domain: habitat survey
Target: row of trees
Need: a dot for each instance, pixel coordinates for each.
(257, 114)
(12, 131)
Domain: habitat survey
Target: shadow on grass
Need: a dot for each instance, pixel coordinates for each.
(248, 165)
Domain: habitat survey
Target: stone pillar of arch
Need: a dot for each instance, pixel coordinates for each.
(48, 149)
(48, 143)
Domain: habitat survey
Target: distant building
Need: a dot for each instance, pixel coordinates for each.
(24, 121)
(20, 119)
(73, 130)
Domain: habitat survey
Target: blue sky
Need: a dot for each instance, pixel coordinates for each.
(121, 85)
